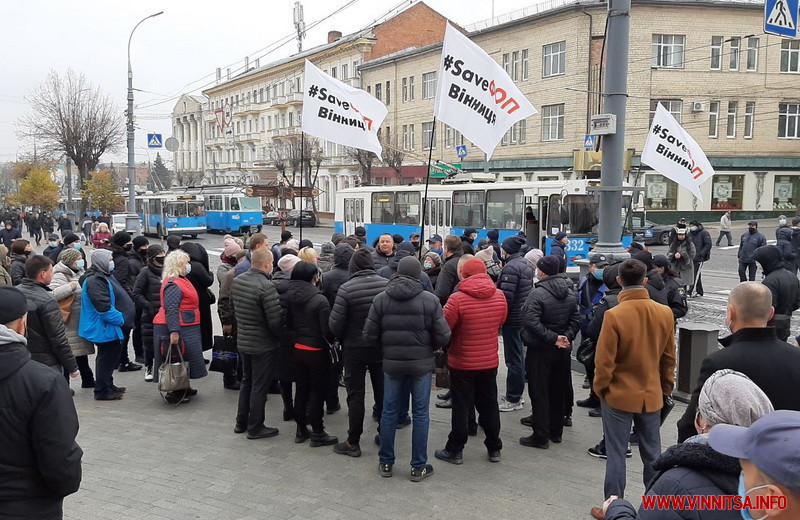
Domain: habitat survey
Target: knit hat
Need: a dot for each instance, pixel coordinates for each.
(560, 236)
(327, 248)
(69, 255)
(533, 256)
(306, 243)
(153, 251)
(398, 238)
(493, 235)
(513, 244)
(13, 304)
(293, 244)
(361, 259)
(473, 266)
(680, 230)
(230, 247)
(660, 261)
(485, 255)
(405, 249)
(121, 238)
(360, 231)
(53, 236)
(549, 265)
(336, 238)
(287, 263)
(730, 397)
(138, 242)
(71, 238)
(173, 242)
(409, 266)
(645, 257)
(304, 271)
(286, 235)
(435, 258)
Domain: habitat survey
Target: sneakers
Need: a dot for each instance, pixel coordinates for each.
(418, 474)
(345, 448)
(508, 406)
(322, 439)
(449, 456)
(385, 470)
(599, 451)
(148, 374)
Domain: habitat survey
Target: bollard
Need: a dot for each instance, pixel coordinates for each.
(695, 342)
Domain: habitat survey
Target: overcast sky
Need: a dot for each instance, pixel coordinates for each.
(169, 53)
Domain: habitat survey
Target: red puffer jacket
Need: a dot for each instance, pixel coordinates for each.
(475, 313)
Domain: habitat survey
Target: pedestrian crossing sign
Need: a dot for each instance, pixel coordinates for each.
(781, 17)
(588, 141)
(154, 140)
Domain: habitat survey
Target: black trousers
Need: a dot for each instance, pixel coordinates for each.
(138, 339)
(258, 371)
(332, 390)
(355, 373)
(87, 376)
(747, 269)
(548, 368)
(313, 376)
(474, 389)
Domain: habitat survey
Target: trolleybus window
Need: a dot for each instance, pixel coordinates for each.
(582, 212)
(176, 209)
(407, 208)
(215, 202)
(383, 208)
(249, 203)
(234, 204)
(155, 206)
(504, 209)
(468, 208)
(196, 209)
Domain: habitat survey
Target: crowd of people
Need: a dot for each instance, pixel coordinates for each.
(399, 311)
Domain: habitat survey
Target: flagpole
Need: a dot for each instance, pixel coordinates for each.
(425, 198)
(302, 173)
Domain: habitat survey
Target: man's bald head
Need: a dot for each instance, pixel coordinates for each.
(261, 259)
(750, 305)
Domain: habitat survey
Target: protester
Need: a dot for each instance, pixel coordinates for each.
(656, 288)
(407, 324)
(633, 378)
(53, 243)
(71, 241)
(36, 228)
(435, 243)
(325, 259)
(286, 362)
(177, 322)
(591, 290)
(308, 254)
(448, 276)
(752, 349)
(516, 282)
(681, 256)
(121, 245)
(201, 279)
(676, 293)
(147, 296)
(257, 241)
(468, 241)
(474, 314)
(750, 241)
(787, 249)
(228, 257)
(339, 273)
(5, 266)
(384, 251)
(173, 243)
(9, 233)
(694, 468)
(701, 239)
(557, 249)
(783, 285)
(102, 239)
(348, 316)
(64, 225)
(21, 249)
(40, 459)
(403, 250)
(725, 228)
(259, 327)
(432, 266)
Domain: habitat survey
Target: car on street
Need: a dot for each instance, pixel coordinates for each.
(650, 232)
(309, 218)
(271, 218)
(126, 222)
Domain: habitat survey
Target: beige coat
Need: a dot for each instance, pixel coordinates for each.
(62, 276)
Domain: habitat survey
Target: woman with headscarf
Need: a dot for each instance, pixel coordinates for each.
(432, 265)
(201, 279)
(325, 260)
(21, 249)
(693, 468)
(178, 321)
(102, 239)
(227, 257)
(5, 265)
(147, 295)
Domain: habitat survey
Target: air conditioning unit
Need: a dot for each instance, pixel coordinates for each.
(698, 106)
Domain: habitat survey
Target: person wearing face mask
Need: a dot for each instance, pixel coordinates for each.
(750, 241)
(65, 284)
(676, 294)
(21, 249)
(701, 239)
(435, 243)
(752, 349)
(681, 256)
(782, 224)
(5, 265)
(200, 277)
(694, 467)
(432, 266)
(53, 243)
(147, 296)
(591, 290)
(121, 245)
(8, 234)
(71, 241)
(137, 259)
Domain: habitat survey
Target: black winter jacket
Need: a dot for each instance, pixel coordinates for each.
(783, 285)
(147, 291)
(47, 336)
(748, 245)
(702, 245)
(787, 249)
(338, 274)
(467, 246)
(201, 280)
(551, 310)
(308, 315)
(656, 288)
(351, 308)
(390, 270)
(257, 308)
(122, 267)
(516, 282)
(676, 297)
(135, 264)
(17, 268)
(40, 462)
(281, 281)
(448, 278)
(688, 469)
(408, 324)
(380, 259)
(557, 249)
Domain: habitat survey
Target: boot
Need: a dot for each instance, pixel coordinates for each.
(322, 439)
(303, 434)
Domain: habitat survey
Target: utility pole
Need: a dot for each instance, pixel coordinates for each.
(616, 94)
(299, 24)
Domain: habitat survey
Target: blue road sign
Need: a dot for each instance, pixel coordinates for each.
(461, 151)
(588, 141)
(780, 17)
(154, 141)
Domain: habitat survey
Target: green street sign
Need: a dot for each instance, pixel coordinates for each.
(441, 171)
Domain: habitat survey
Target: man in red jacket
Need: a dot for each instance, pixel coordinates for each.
(474, 313)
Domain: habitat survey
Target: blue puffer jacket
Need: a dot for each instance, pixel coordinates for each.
(516, 282)
(748, 245)
(95, 325)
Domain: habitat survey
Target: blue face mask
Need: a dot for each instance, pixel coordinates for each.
(77, 245)
(80, 264)
(53, 244)
(110, 266)
(743, 492)
(188, 269)
(438, 251)
(598, 274)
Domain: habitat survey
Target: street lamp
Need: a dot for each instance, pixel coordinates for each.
(131, 132)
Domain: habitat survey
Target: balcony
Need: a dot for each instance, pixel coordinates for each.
(245, 108)
(279, 102)
(248, 136)
(295, 98)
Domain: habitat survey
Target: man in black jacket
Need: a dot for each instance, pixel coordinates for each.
(347, 319)
(120, 246)
(557, 249)
(40, 459)
(403, 250)
(754, 350)
(748, 244)
(339, 273)
(468, 241)
(448, 276)
(9, 233)
(656, 287)
(408, 324)
(783, 285)
(258, 320)
(47, 337)
(701, 239)
(551, 321)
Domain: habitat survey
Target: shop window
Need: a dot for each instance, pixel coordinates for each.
(726, 192)
(787, 193)
(660, 193)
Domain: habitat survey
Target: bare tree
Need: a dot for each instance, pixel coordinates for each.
(393, 155)
(364, 159)
(70, 116)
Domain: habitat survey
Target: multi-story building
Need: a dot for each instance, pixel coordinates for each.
(709, 63)
(188, 129)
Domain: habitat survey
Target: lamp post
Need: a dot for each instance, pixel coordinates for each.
(131, 132)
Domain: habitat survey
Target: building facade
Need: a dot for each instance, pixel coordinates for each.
(188, 129)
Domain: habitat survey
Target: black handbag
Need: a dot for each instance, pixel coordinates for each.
(585, 352)
(224, 354)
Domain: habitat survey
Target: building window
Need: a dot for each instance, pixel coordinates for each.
(736, 45)
(726, 192)
(716, 52)
(448, 136)
(369, 89)
(344, 72)
(428, 133)
(554, 59)
(388, 96)
(789, 120)
(661, 193)
(752, 54)
(404, 89)
(553, 122)
(506, 63)
(411, 88)
(408, 137)
(515, 65)
(524, 64)
(333, 72)
(749, 117)
(673, 106)
(713, 119)
(668, 50)
(732, 110)
(790, 56)
(787, 193)
(378, 91)
(523, 131)
(429, 85)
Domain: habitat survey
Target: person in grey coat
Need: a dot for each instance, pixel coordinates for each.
(257, 309)
(325, 260)
(681, 256)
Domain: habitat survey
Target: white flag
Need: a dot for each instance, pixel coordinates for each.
(476, 96)
(671, 151)
(340, 113)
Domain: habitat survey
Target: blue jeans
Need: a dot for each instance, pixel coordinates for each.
(396, 389)
(514, 352)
